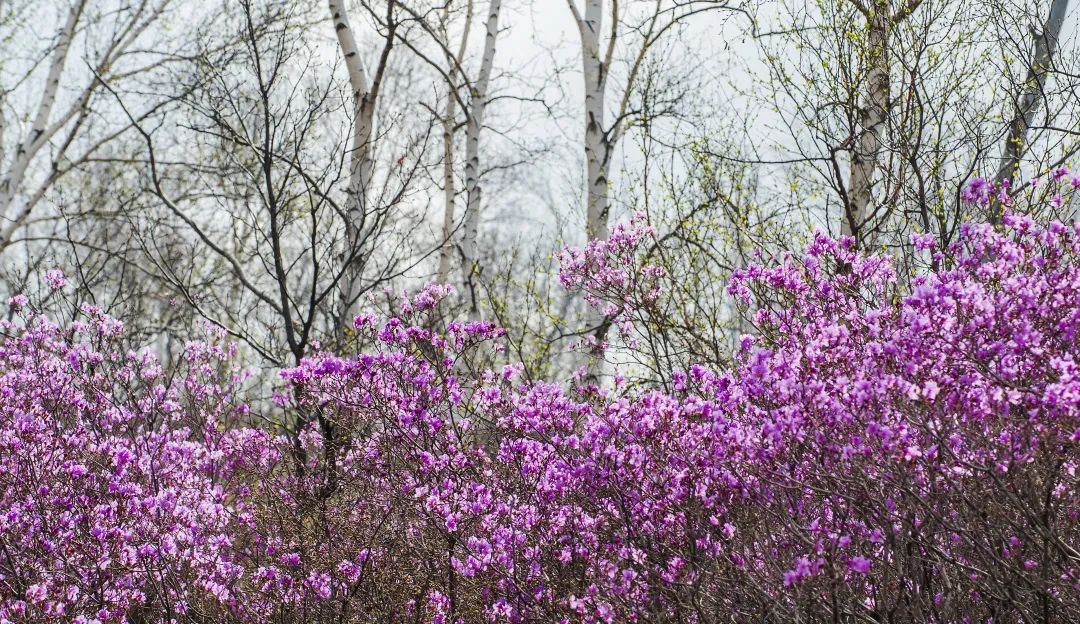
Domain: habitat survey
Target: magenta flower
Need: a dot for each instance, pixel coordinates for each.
(54, 278)
(859, 564)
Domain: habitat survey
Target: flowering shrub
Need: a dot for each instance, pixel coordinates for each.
(870, 457)
(922, 456)
(108, 501)
(657, 327)
(610, 277)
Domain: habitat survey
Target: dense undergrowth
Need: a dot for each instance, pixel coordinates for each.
(870, 457)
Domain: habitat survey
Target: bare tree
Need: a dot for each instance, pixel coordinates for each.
(250, 187)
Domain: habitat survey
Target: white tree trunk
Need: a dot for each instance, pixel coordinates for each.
(361, 165)
(597, 147)
(475, 122)
(17, 202)
(446, 252)
(598, 141)
(449, 186)
(872, 117)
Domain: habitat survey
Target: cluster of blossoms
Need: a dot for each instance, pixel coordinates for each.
(982, 192)
(869, 457)
(108, 500)
(610, 276)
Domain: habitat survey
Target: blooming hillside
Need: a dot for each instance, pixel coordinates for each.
(870, 457)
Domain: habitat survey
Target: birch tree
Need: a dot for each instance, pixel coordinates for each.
(64, 128)
(361, 219)
(471, 92)
(877, 113)
(596, 62)
(478, 99)
(454, 60)
(882, 19)
(603, 130)
(1044, 44)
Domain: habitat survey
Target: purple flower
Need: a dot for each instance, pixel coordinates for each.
(859, 564)
(55, 279)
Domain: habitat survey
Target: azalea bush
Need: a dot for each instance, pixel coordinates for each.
(878, 452)
(110, 505)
